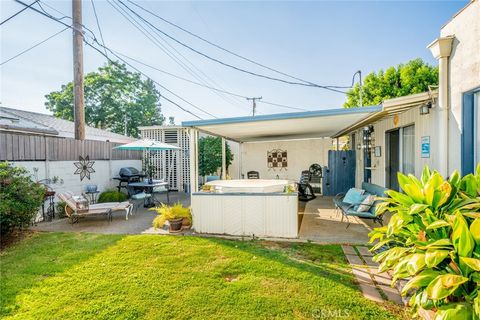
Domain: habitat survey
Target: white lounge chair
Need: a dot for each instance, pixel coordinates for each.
(77, 206)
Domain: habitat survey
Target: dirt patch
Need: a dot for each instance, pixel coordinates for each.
(275, 245)
(231, 278)
(14, 237)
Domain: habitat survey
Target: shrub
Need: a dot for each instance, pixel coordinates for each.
(112, 196)
(434, 238)
(20, 197)
(169, 213)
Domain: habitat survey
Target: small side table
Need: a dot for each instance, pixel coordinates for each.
(92, 196)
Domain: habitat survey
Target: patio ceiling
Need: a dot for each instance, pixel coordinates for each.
(284, 126)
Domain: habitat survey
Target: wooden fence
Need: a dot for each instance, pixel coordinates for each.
(22, 147)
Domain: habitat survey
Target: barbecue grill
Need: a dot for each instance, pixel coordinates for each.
(127, 175)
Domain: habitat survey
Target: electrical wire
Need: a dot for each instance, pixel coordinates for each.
(94, 39)
(156, 42)
(98, 23)
(33, 47)
(229, 51)
(17, 13)
(224, 63)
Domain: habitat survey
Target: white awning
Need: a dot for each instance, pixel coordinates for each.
(284, 126)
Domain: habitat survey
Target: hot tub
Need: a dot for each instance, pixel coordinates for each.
(249, 186)
(246, 208)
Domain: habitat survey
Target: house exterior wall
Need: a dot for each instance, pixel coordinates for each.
(300, 155)
(424, 126)
(464, 71)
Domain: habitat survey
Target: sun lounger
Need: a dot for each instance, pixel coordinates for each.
(77, 207)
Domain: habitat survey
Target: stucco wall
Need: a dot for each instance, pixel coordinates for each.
(102, 177)
(300, 153)
(424, 126)
(464, 65)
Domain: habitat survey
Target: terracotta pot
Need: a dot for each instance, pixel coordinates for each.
(175, 225)
(186, 224)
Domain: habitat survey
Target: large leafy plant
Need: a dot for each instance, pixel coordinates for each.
(433, 239)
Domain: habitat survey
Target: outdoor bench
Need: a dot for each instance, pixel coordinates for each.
(350, 208)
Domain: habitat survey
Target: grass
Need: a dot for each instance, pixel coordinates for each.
(86, 276)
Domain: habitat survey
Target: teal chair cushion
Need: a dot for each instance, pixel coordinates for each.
(360, 214)
(353, 196)
(140, 196)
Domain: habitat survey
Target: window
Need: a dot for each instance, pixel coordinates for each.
(470, 142)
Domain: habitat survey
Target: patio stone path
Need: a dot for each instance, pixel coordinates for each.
(375, 286)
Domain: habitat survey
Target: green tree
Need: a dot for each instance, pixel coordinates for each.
(413, 77)
(210, 155)
(112, 94)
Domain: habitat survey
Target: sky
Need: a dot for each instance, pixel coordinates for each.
(321, 42)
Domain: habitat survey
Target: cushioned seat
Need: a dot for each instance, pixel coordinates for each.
(349, 203)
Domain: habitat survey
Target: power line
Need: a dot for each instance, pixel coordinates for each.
(229, 51)
(224, 63)
(282, 105)
(156, 42)
(33, 47)
(103, 54)
(98, 23)
(17, 13)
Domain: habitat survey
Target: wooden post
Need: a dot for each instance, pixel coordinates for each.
(78, 98)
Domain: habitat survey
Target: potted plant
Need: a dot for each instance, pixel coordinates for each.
(176, 215)
(433, 238)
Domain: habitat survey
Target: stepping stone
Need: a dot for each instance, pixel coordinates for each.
(392, 294)
(370, 292)
(364, 251)
(370, 262)
(349, 250)
(362, 276)
(354, 260)
(382, 279)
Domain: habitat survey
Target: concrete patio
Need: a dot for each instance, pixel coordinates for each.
(137, 223)
(320, 223)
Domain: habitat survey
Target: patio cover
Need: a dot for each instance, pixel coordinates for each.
(284, 126)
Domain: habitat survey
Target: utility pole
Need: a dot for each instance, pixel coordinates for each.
(78, 94)
(254, 104)
(361, 87)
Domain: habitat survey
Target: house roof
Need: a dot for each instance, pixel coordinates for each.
(284, 126)
(391, 107)
(39, 123)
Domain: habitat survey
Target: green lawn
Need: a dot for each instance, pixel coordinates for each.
(87, 276)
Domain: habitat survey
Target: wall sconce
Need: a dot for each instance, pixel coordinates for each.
(425, 108)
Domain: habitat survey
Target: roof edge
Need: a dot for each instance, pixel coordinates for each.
(281, 116)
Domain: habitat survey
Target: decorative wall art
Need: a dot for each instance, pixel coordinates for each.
(277, 159)
(84, 167)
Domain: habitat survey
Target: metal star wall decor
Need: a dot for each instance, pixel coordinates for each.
(84, 167)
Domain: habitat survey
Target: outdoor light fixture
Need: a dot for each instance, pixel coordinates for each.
(425, 108)
(368, 142)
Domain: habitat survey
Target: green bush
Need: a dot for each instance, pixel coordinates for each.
(111, 196)
(20, 197)
(434, 238)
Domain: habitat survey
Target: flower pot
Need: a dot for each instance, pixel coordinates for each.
(175, 225)
(186, 224)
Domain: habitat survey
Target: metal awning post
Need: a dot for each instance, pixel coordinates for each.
(224, 160)
(193, 160)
